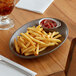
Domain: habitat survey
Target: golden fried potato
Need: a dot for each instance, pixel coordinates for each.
(36, 40)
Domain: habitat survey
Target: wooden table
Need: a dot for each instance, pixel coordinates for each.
(54, 62)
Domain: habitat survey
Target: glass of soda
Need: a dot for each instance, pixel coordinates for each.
(6, 7)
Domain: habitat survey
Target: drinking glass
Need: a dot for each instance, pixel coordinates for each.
(6, 7)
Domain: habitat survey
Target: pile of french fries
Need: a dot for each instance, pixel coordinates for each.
(35, 40)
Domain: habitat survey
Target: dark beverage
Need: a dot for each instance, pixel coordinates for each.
(6, 7)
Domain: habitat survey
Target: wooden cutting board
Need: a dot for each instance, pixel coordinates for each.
(56, 61)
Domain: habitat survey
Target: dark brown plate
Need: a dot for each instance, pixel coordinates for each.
(62, 29)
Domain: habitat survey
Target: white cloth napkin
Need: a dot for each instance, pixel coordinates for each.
(10, 68)
(38, 6)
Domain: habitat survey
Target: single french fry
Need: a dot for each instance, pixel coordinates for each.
(42, 49)
(58, 36)
(55, 40)
(27, 54)
(16, 46)
(38, 27)
(49, 35)
(40, 38)
(50, 44)
(27, 38)
(56, 43)
(37, 50)
(22, 50)
(48, 39)
(44, 32)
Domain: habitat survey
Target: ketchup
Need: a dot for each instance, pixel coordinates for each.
(48, 23)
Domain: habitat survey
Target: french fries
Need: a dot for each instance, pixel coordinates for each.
(58, 36)
(49, 39)
(35, 40)
(54, 33)
(16, 46)
(37, 50)
(26, 37)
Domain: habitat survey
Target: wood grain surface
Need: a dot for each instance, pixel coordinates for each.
(54, 62)
(70, 69)
(58, 74)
